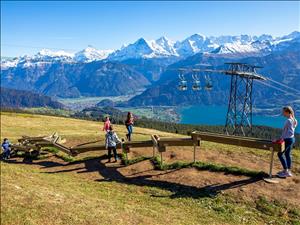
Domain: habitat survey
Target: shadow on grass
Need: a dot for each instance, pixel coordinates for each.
(112, 173)
(178, 190)
(44, 163)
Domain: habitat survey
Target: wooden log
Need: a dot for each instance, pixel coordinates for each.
(87, 148)
(99, 147)
(25, 148)
(44, 144)
(231, 136)
(155, 144)
(29, 139)
(62, 148)
(178, 142)
(87, 143)
(154, 140)
(194, 155)
(138, 144)
(20, 148)
(239, 141)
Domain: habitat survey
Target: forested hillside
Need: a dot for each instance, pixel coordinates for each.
(11, 98)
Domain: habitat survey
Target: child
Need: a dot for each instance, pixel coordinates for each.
(6, 149)
(288, 135)
(111, 143)
(129, 125)
(106, 124)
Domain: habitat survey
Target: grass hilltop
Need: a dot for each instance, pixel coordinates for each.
(87, 190)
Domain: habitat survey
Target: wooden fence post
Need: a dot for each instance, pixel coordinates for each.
(270, 178)
(271, 162)
(194, 152)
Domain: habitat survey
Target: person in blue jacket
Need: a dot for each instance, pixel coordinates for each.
(6, 148)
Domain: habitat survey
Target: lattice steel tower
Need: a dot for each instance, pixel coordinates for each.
(239, 113)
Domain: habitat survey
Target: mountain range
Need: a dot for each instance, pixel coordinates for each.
(162, 48)
(152, 65)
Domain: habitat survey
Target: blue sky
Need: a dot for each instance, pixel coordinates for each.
(26, 27)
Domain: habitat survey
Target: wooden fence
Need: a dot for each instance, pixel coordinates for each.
(159, 144)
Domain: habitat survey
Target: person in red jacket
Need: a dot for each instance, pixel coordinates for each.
(129, 125)
(106, 125)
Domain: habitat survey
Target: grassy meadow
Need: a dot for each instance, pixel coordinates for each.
(32, 194)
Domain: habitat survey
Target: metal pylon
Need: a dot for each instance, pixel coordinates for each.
(239, 113)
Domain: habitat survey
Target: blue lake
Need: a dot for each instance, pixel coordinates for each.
(216, 115)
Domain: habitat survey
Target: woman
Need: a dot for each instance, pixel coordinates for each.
(106, 124)
(129, 125)
(288, 135)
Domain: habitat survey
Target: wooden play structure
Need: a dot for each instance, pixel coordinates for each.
(33, 145)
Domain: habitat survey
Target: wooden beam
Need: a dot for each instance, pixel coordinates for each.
(87, 143)
(239, 141)
(44, 144)
(154, 140)
(87, 148)
(92, 147)
(178, 142)
(20, 148)
(155, 144)
(62, 148)
(138, 144)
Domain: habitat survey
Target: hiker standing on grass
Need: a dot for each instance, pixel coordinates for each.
(288, 135)
(129, 125)
(6, 148)
(106, 125)
(111, 141)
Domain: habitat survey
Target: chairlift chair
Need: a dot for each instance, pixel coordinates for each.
(182, 86)
(196, 83)
(208, 83)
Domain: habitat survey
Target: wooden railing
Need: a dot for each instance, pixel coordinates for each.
(157, 143)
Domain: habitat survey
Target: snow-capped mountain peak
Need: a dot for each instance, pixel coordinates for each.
(197, 37)
(194, 44)
(167, 46)
(143, 48)
(164, 48)
(162, 39)
(233, 48)
(293, 35)
(138, 49)
(90, 54)
(50, 53)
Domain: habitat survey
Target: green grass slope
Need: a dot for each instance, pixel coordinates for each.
(31, 194)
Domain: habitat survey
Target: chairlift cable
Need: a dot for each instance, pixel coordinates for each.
(279, 83)
(279, 89)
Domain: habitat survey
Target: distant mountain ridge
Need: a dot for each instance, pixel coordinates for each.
(148, 64)
(160, 48)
